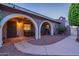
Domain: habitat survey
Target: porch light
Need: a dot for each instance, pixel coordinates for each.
(27, 27)
(19, 24)
(47, 26)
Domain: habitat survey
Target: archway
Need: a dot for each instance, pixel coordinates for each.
(27, 24)
(46, 28)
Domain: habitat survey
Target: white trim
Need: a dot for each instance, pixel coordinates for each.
(51, 25)
(4, 20)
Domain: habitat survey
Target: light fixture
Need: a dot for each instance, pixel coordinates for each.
(47, 26)
(19, 24)
(27, 27)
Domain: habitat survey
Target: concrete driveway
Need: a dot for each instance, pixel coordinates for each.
(67, 46)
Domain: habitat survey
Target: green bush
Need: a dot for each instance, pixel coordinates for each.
(61, 29)
(0, 18)
(73, 15)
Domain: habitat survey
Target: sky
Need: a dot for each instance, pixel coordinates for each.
(52, 10)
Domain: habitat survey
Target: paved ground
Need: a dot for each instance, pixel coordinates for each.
(67, 46)
(14, 40)
(11, 51)
(47, 40)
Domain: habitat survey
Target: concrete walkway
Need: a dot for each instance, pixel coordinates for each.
(67, 46)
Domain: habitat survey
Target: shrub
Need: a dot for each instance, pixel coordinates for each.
(61, 29)
(73, 15)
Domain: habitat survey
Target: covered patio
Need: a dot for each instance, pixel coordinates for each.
(45, 40)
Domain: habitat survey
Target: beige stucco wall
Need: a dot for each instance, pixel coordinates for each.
(6, 15)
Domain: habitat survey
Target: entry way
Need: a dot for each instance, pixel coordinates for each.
(18, 29)
(11, 29)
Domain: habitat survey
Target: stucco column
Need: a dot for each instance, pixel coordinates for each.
(1, 42)
(20, 29)
(4, 30)
(39, 34)
(19, 32)
(36, 34)
(52, 29)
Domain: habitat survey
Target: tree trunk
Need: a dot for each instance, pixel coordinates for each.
(77, 34)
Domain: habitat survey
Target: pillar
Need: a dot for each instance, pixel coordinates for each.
(1, 42)
(52, 29)
(39, 34)
(36, 33)
(20, 29)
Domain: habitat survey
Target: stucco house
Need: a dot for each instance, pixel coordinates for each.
(16, 21)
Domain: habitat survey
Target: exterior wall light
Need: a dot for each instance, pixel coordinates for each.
(19, 24)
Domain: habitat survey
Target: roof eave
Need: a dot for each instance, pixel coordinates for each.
(31, 12)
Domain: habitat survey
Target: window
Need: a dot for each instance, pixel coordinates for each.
(27, 26)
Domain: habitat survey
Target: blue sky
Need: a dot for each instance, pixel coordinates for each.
(53, 10)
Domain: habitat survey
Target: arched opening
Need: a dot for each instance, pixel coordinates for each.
(46, 29)
(18, 26)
